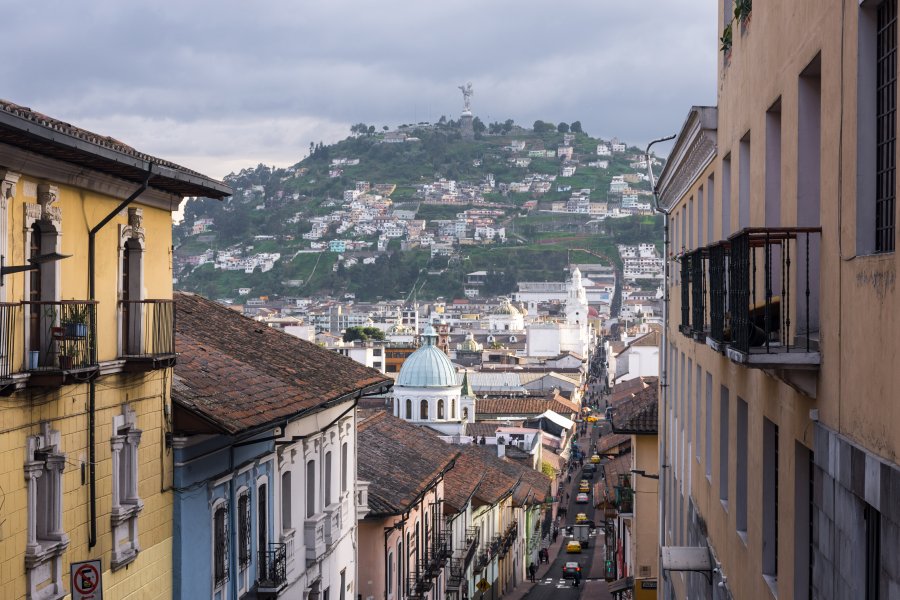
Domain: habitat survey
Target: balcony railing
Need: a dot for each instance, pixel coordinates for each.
(768, 269)
(685, 327)
(698, 259)
(61, 336)
(148, 331)
(272, 569)
(9, 316)
(718, 295)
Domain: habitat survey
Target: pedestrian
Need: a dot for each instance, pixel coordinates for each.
(577, 578)
(555, 534)
(532, 569)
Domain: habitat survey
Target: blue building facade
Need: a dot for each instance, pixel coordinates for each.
(223, 514)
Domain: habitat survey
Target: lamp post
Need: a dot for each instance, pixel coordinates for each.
(35, 261)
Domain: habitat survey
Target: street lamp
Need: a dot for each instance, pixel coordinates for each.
(35, 261)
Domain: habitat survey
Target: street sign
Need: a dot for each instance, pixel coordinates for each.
(483, 585)
(86, 580)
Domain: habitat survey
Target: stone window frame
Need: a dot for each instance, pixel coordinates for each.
(246, 518)
(46, 541)
(220, 586)
(126, 501)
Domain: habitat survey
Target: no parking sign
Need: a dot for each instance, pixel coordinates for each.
(86, 580)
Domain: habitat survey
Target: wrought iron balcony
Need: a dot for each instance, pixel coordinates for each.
(685, 326)
(718, 296)
(773, 297)
(698, 259)
(9, 316)
(272, 571)
(147, 334)
(61, 341)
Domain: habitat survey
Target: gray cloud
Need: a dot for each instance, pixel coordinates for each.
(219, 85)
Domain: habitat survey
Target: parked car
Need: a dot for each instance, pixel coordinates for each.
(573, 547)
(570, 569)
(581, 498)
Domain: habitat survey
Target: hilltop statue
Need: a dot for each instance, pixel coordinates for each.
(467, 92)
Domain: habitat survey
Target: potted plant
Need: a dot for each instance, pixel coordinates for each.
(76, 321)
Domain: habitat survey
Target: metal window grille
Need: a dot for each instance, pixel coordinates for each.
(886, 124)
(685, 295)
(718, 291)
(698, 291)
(220, 546)
(244, 530)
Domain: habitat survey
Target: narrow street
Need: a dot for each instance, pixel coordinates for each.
(552, 585)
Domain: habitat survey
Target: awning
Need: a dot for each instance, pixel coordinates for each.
(687, 558)
(558, 419)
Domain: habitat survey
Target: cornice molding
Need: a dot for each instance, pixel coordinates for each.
(40, 167)
(694, 150)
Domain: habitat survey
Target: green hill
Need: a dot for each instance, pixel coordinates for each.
(273, 208)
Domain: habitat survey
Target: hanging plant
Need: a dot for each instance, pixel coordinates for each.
(742, 9)
(726, 40)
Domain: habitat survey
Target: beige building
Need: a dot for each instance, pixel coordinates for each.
(778, 426)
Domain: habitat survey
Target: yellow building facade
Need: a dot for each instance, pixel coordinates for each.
(778, 421)
(86, 356)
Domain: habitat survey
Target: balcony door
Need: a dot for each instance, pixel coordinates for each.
(132, 310)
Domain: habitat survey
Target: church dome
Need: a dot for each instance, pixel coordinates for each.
(428, 366)
(506, 308)
(469, 344)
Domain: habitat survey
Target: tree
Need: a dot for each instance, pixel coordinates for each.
(364, 334)
(478, 125)
(385, 127)
(371, 129)
(508, 125)
(563, 128)
(575, 127)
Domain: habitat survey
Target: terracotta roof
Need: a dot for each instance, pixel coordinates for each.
(639, 414)
(648, 339)
(625, 389)
(612, 440)
(401, 460)
(606, 487)
(28, 129)
(495, 477)
(238, 374)
(525, 406)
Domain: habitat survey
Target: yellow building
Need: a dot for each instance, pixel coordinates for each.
(778, 414)
(86, 355)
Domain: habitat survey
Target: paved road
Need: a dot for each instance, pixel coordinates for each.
(553, 586)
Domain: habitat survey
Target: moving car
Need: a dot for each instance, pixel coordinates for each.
(581, 498)
(570, 569)
(595, 459)
(581, 518)
(584, 486)
(573, 547)
(592, 419)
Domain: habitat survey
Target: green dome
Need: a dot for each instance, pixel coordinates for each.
(428, 366)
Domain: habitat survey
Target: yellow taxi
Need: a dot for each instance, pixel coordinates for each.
(592, 419)
(581, 518)
(584, 486)
(595, 459)
(573, 547)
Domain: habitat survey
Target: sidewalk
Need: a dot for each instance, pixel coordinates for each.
(521, 590)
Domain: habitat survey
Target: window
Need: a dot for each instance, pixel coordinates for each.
(700, 215)
(440, 409)
(125, 501)
(886, 126)
(131, 282)
(343, 592)
(744, 182)
(344, 466)
(310, 489)
(710, 208)
(740, 489)
(390, 575)
(423, 410)
(452, 408)
(327, 484)
(873, 552)
(698, 393)
(465, 414)
(726, 197)
(376, 351)
(286, 522)
(773, 165)
(220, 545)
(723, 445)
(804, 512)
(262, 517)
(770, 500)
(243, 541)
(708, 446)
(409, 409)
(45, 541)
(376, 365)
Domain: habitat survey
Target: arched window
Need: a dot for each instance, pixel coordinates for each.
(452, 408)
(310, 489)
(423, 410)
(344, 467)
(327, 484)
(286, 500)
(440, 409)
(465, 414)
(409, 409)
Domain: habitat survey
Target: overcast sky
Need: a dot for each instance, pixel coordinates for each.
(225, 84)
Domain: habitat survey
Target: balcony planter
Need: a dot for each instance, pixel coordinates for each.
(34, 360)
(66, 362)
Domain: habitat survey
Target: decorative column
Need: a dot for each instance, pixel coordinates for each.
(33, 470)
(133, 438)
(116, 445)
(8, 181)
